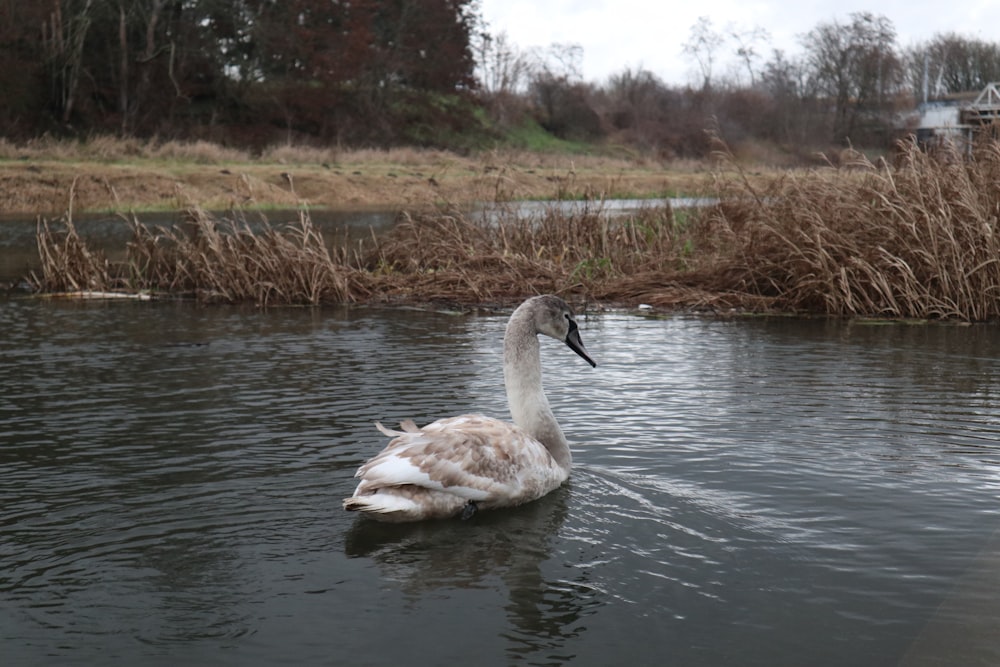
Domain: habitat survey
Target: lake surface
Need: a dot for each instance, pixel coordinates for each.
(746, 492)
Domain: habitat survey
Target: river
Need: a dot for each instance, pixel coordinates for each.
(755, 491)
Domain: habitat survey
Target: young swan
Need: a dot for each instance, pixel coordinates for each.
(459, 465)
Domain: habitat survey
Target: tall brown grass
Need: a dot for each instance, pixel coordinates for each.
(110, 148)
(915, 239)
(918, 239)
(209, 259)
(502, 256)
(449, 257)
(107, 148)
(68, 264)
(228, 261)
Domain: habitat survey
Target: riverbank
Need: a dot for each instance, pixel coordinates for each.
(51, 180)
(915, 240)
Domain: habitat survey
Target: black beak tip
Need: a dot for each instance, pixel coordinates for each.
(576, 345)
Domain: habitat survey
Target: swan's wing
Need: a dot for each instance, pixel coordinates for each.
(474, 457)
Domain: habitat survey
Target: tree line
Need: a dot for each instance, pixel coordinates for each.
(429, 72)
(240, 71)
(850, 84)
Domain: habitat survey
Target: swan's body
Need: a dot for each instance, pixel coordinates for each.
(463, 464)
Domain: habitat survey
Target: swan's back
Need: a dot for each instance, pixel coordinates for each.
(435, 471)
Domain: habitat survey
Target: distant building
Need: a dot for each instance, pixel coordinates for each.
(958, 118)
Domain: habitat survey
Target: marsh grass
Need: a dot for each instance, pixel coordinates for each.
(231, 262)
(914, 240)
(502, 256)
(209, 259)
(68, 264)
(109, 148)
(444, 257)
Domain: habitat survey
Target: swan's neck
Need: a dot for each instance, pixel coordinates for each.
(529, 408)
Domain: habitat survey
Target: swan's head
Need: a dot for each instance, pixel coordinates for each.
(553, 317)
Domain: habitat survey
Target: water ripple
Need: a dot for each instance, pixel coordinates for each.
(172, 479)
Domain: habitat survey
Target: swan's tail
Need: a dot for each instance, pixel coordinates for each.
(408, 426)
(382, 506)
(405, 503)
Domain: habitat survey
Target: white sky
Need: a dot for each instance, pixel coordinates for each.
(649, 33)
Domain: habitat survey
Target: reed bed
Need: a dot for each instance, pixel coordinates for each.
(917, 239)
(207, 259)
(445, 257)
(654, 256)
(228, 261)
(68, 264)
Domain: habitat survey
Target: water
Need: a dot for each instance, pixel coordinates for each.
(752, 492)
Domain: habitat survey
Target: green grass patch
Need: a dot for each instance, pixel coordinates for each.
(530, 136)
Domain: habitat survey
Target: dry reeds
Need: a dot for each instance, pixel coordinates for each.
(496, 258)
(67, 262)
(214, 261)
(107, 148)
(915, 240)
(228, 261)
(919, 240)
(503, 256)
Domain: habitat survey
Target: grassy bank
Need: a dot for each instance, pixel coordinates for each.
(916, 239)
(121, 175)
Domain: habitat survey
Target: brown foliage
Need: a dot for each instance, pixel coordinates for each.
(67, 263)
(449, 257)
(916, 241)
(504, 257)
(215, 261)
(232, 263)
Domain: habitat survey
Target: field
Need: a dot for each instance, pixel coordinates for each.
(108, 174)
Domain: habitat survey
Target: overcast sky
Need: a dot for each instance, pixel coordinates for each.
(619, 33)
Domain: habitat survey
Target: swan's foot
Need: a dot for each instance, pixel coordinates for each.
(469, 510)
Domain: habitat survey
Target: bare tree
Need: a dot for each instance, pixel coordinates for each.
(501, 67)
(854, 65)
(563, 61)
(64, 36)
(503, 71)
(702, 45)
(559, 95)
(748, 49)
(637, 104)
(950, 63)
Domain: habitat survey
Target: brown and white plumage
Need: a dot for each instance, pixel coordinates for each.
(472, 462)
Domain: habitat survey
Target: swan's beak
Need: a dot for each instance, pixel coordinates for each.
(575, 344)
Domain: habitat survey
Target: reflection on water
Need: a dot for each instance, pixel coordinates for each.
(754, 492)
(503, 551)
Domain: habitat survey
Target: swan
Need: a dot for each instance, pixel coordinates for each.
(459, 465)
